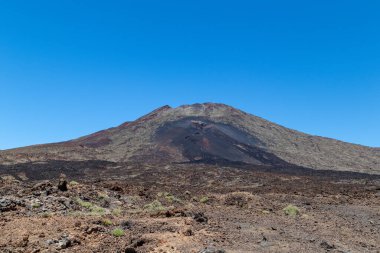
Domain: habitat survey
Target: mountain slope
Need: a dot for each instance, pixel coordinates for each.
(206, 133)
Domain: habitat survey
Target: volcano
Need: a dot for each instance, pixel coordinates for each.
(207, 133)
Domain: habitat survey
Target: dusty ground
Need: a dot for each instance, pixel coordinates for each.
(189, 208)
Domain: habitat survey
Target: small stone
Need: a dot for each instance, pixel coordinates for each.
(95, 229)
(130, 250)
(62, 185)
(212, 250)
(7, 205)
(42, 186)
(327, 246)
(126, 224)
(64, 243)
(188, 232)
(200, 217)
(25, 238)
(49, 242)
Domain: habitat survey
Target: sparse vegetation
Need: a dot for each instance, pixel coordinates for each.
(240, 199)
(291, 210)
(47, 214)
(94, 209)
(171, 198)
(84, 204)
(73, 183)
(97, 210)
(102, 195)
(107, 222)
(168, 197)
(204, 199)
(155, 206)
(117, 232)
(117, 211)
(130, 220)
(36, 205)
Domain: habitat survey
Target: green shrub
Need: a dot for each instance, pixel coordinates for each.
(116, 211)
(84, 204)
(36, 205)
(107, 222)
(102, 195)
(97, 210)
(291, 210)
(155, 206)
(171, 198)
(91, 207)
(47, 215)
(168, 197)
(204, 199)
(117, 232)
(72, 183)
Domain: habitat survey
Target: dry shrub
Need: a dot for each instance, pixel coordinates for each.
(239, 199)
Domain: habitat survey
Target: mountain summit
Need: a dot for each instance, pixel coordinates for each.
(205, 133)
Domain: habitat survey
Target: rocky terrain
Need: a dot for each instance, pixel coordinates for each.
(191, 208)
(203, 178)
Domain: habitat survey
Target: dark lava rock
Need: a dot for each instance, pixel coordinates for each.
(135, 243)
(188, 232)
(42, 186)
(212, 250)
(94, 229)
(126, 224)
(327, 246)
(116, 188)
(139, 243)
(200, 217)
(64, 243)
(236, 200)
(202, 140)
(50, 242)
(175, 213)
(169, 213)
(130, 250)
(7, 205)
(62, 185)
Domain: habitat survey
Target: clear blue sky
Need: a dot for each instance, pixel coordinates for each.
(69, 68)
